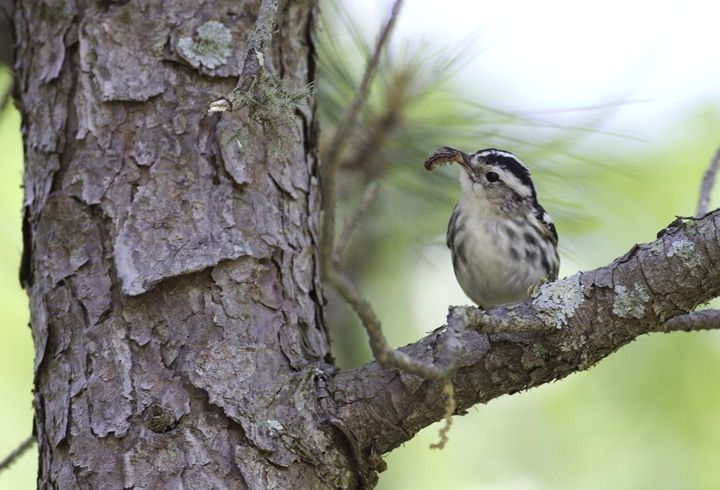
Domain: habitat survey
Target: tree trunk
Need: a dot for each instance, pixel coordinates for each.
(173, 281)
(173, 275)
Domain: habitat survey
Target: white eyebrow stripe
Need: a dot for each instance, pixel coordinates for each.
(503, 153)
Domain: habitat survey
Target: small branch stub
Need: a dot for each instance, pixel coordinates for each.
(159, 419)
(220, 105)
(254, 63)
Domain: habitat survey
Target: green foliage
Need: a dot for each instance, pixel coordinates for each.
(643, 418)
(415, 106)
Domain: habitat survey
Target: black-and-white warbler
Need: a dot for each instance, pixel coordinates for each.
(503, 243)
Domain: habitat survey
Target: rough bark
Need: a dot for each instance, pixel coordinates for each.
(173, 281)
(174, 288)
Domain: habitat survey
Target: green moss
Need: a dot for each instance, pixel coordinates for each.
(690, 227)
(584, 362)
(539, 350)
(574, 343)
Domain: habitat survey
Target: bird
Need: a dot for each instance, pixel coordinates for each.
(502, 242)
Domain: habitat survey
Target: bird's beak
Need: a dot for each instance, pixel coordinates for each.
(464, 162)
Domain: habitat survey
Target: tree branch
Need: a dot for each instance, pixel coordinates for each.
(447, 358)
(695, 320)
(10, 459)
(707, 184)
(572, 324)
(257, 48)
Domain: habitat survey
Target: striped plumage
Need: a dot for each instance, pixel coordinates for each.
(502, 241)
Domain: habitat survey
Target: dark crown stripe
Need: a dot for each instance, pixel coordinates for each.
(509, 162)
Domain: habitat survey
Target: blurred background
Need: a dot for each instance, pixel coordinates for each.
(615, 109)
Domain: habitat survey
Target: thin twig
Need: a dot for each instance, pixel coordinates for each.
(17, 453)
(450, 404)
(449, 348)
(707, 184)
(695, 320)
(351, 224)
(257, 49)
(331, 157)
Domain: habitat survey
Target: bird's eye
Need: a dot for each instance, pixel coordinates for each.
(492, 177)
